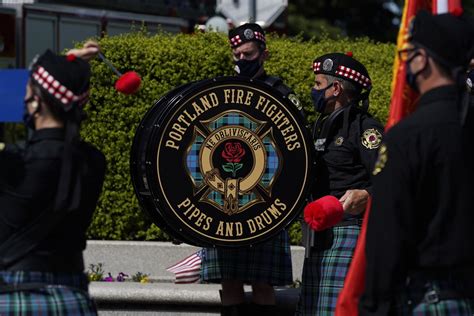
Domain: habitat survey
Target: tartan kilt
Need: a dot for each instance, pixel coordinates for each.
(411, 301)
(325, 270)
(269, 263)
(62, 294)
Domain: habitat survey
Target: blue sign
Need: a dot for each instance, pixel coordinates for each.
(12, 93)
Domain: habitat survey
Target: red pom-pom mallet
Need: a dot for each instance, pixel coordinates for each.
(128, 83)
(70, 57)
(323, 213)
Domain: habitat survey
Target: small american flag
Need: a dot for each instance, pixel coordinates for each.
(188, 270)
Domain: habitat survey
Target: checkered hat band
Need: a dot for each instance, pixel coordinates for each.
(316, 66)
(237, 40)
(56, 89)
(353, 75)
(259, 36)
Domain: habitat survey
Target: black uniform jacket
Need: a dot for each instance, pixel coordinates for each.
(422, 215)
(278, 84)
(33, 188)
(349, 154)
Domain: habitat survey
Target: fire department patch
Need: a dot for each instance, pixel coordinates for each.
(371, 138)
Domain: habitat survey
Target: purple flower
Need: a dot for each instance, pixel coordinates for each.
(110, 278)
(121, 277)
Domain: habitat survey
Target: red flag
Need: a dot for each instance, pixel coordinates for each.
(402, 103)
(403, 98)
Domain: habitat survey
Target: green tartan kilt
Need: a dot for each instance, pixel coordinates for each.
(62, 294)
(419, 299)
(268, 263)
(325, 270)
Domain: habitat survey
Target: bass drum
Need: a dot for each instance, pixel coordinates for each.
(138, 160)
(224, 162)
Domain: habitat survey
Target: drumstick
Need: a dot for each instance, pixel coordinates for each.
(108, 63)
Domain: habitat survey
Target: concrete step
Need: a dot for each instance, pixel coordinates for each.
(162, 296)
(153, 257)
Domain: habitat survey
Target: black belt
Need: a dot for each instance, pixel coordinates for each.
(434, 296)
(349, 222)
(463, 277)
(47, 262)
(8, 288)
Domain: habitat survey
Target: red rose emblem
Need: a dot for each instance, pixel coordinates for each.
(233, 152)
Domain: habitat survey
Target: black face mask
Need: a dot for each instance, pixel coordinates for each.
(319, 100)
(28, 120)
(247, 68)
(410, 76)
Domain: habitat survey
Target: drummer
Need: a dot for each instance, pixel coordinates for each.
(268, 264)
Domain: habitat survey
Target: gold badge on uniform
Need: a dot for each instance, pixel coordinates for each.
(371, 138)
(339, 141)
(381, 160)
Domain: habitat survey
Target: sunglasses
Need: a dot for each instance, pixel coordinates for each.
(403, 53)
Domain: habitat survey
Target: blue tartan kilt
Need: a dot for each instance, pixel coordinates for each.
(62, 294)
(268, 263)
(325, 270)
(419, 299)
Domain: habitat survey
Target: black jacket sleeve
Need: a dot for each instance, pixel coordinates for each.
(370, 139)
(390, 227)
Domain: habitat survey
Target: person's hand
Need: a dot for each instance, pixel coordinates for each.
(87, 52)
(354, 201)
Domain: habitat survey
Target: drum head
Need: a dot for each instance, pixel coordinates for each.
(223, 162)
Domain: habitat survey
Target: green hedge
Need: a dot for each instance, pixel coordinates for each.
(166, 61)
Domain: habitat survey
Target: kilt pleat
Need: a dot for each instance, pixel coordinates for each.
(269, 263)
(324, 272)
(62, 294)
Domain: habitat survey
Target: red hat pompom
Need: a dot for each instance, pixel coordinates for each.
(349, 54)
(458, 11)
(323, 213)
(128, 83)
(70, 57)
